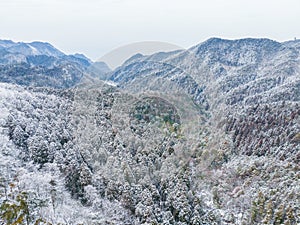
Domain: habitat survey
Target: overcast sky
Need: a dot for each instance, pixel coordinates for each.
(94, 27)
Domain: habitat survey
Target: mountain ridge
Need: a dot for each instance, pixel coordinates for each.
(209, 135)
(40, 64)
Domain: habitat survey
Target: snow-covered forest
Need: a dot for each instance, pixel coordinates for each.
(210, 135)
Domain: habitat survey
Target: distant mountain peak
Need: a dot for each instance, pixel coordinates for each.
(6, 43)
(40, 64)
(217, 42)
(134, 57)
(119, 55)
(82, 56)
(236, 51)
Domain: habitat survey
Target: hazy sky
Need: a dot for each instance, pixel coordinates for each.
(94, 27)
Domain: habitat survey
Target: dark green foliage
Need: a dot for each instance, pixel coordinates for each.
(154, 110)
(20, 208)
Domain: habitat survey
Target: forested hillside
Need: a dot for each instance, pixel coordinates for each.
(210, 135)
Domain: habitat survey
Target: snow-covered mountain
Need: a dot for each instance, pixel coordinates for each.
(210, 135)
(99, 70)
(218, 74)
(223, 64)
(34, 48)
(40, 64)
(28, 49)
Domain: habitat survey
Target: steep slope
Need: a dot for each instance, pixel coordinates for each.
(110, 150)
(250, 96)
(41, 167)
(204, 136)
(219, 74)
(223, 64)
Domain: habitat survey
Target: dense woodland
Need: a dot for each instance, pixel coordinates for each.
(205, 136)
